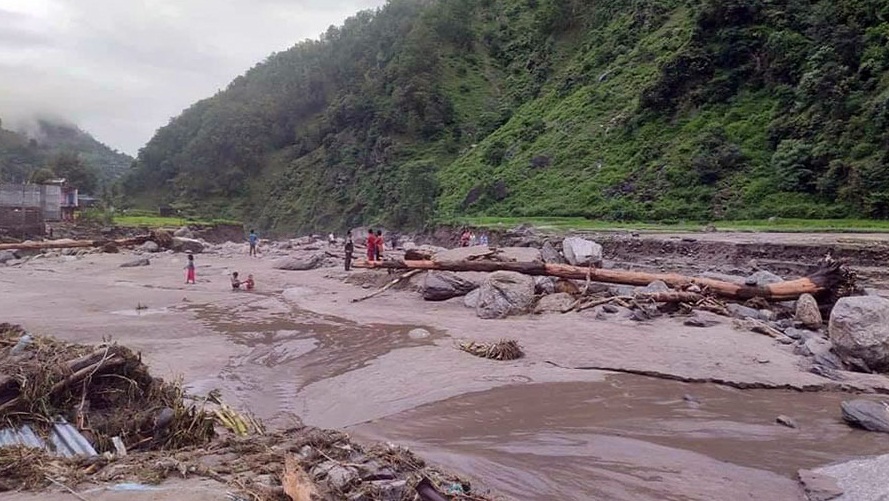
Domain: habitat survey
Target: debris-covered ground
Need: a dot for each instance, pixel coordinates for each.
(145, 430)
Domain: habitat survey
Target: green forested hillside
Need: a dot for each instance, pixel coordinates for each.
(652, 110)
(49, 145)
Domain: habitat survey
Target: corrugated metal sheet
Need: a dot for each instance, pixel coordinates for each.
(65, 439)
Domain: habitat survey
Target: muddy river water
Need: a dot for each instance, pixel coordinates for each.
(625, 437)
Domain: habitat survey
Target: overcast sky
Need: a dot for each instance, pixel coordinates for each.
(120, 69)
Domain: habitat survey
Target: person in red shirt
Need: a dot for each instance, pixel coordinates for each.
(371, 245)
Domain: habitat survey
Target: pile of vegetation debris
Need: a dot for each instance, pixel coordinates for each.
(144, 429)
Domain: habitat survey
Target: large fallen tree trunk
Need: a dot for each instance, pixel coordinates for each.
(75, 244)
(827, 277)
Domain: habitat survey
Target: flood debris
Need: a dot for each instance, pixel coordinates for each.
(505, 349)
(74, 414)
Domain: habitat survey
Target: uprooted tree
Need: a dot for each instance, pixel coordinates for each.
(827, 277)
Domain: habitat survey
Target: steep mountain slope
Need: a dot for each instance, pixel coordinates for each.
(669, 109)
(36, 144)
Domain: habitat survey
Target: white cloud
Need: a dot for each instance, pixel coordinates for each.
(122, 68)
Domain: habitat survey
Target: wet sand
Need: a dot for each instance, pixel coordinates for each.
(533, 428)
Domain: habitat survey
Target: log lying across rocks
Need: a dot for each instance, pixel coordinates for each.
(826, 278)
(76, 244)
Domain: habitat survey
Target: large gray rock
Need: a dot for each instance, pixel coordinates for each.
(444, 285)
(143, 261)
(471, 300)
(762, 278)
(505, 293)
(582, 252)
(544, 285)
(554, 303)
(818, 486)
(182, 244)
(7, 255)
(150, 247)
(859, 328)
(741, 311)
(550, 255)
(184, 232)
(807, 312)
(299, 264)
(866, 414)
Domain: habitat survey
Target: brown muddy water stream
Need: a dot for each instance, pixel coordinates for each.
(629, 437)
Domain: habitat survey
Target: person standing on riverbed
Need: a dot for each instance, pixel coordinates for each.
(378, 249)
(349, 249)
(189, 270)
(371, 245)
(253, 239)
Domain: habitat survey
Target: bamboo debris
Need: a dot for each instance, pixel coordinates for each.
(827, 277)
(501, 350)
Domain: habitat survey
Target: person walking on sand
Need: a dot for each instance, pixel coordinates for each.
(189, 270)
(253, 239)
(371, 245)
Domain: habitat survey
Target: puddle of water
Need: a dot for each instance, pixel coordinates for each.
(141, 312)
(287, 351)
(629, 438)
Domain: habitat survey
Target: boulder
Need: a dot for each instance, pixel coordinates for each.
(136, 263)
(544, 285)
(582, 252)
(182, 244)
(550, 255)
(421, 253)
(150, 247)
(807, 312)
(471, 300)
(653, 288)
(505, 293)
(859, 328)
(444, 285)
(7, 255)
(554, 303)
(866, 414)
(338, 475)
(762, 278)
(741, 311)
(818, 486)
(299, 264)
(184, 232)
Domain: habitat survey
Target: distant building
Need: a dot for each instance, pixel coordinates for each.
(24, 208)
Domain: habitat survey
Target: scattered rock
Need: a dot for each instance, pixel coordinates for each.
(550, 255)
(471, 300)
(110, 248)
(7, 255)
(582, 252)
(184, 232)
(419, 334)
(544, 285)
(762, 278)
(555, 303)
(136, 263)
(654, 288)
(796, 334)
(703, 319)
(150, 247)
(786, 421)
(299, 264)
(807, 312)
(390, 490)
(182, 244)
(741, 311)
(621, 290)
(610, 308)
(866, 414)
(859, 328)
(444, 285)
(505, 293)
(422, 252)
(819, 487)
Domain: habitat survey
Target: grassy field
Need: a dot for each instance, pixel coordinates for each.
(143, 221)
(763, 225)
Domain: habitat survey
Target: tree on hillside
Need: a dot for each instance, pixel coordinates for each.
(41, 176)
(80, 175)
